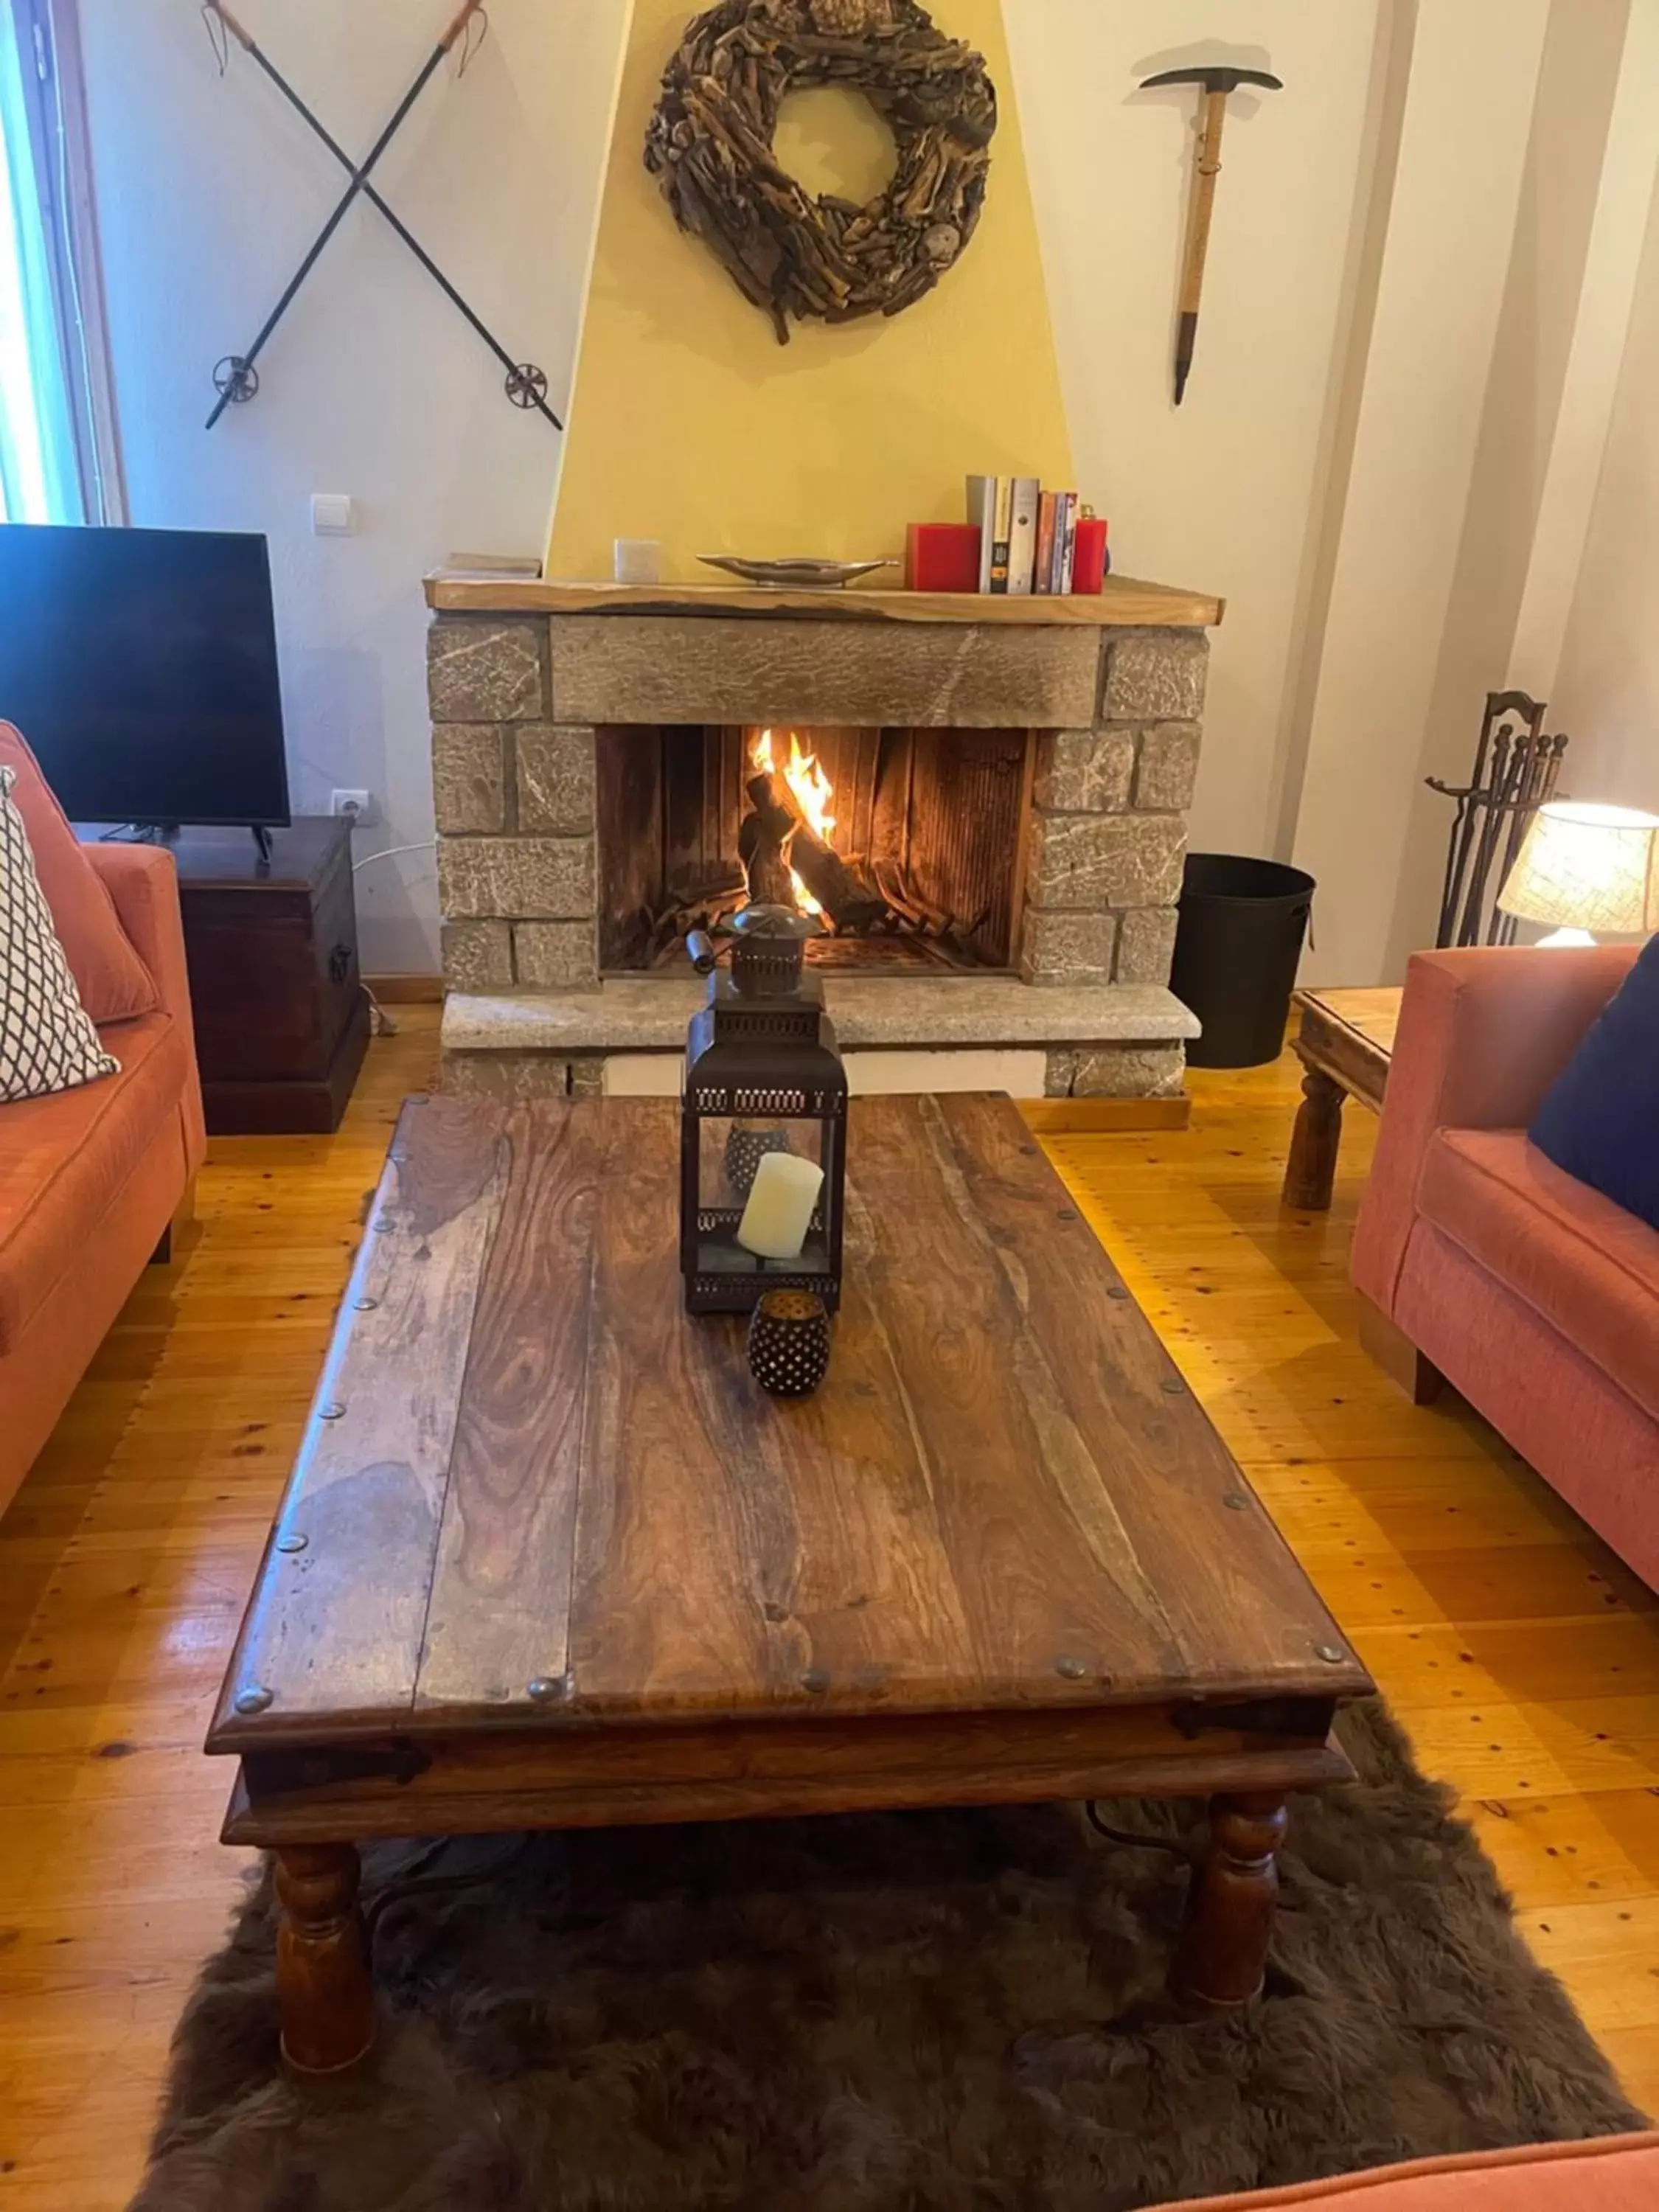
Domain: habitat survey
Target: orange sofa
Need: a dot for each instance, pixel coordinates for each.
(1534, 1296)
(1620, 2173)
(91, 1179)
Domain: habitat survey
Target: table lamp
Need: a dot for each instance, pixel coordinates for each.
(1587, 869)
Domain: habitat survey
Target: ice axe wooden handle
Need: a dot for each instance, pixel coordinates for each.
(1217, 85)
(1198, 238)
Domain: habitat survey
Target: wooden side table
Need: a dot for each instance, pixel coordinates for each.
(1346, 1044)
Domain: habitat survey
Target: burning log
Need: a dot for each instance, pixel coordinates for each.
(762, 839)
(777, 844)
(850, 904)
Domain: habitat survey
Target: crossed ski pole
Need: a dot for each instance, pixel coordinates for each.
(236, 376)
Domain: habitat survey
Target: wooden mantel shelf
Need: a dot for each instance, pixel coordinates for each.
(1124, 603)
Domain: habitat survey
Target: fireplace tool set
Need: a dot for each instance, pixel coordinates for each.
(236, 377)
(1516, 771)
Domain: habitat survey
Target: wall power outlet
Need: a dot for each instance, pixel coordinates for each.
(359, 805)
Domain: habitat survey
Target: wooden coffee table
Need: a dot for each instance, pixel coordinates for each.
(1346, 1042)
(550, 1559)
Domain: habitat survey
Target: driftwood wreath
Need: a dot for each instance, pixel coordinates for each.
(710, 146)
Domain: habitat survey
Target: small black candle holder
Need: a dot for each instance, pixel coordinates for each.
(789, 1343)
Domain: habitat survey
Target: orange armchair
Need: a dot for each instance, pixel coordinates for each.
(1535, 1296)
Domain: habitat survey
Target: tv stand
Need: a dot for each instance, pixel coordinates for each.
(270, 936)
(168, 834)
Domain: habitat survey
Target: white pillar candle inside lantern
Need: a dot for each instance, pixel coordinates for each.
(779, 1209)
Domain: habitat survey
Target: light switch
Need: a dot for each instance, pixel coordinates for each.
(330, 514)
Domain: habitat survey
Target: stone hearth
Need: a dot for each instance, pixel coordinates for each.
(526, 680)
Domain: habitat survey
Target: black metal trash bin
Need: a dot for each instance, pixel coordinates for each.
(1236, 948)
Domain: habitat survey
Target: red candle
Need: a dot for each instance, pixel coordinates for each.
(1088, 570)
(942, 557)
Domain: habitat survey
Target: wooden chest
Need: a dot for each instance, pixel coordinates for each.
(280, 1017)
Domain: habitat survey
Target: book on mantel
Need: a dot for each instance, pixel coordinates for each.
(991, 509)
(1028, 537)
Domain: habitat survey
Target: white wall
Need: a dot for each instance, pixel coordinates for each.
(1218, 494)
(209, 191)
(1514, 225)
(1403, 489)
(1607, 693)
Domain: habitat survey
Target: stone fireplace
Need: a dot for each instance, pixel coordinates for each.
(982, 803)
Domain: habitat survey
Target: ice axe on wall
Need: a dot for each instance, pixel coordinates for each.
(1218, 86)
(236, 377)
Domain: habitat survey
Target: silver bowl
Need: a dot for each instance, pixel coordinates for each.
(801, 573)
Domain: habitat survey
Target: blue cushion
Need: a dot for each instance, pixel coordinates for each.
(1600, 1119)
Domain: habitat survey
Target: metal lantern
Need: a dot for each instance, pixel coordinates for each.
(764, 1077)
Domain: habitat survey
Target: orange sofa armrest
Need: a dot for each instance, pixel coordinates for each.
(143, 882)
(1483, 1033)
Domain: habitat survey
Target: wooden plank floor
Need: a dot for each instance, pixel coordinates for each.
(1523, 1658)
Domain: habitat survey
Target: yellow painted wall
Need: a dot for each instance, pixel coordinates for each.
(690, 424)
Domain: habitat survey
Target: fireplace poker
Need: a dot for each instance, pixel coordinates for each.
(1218, 84)
(236, 376)
(526, 384)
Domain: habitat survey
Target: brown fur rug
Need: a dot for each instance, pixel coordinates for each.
(950, 2012)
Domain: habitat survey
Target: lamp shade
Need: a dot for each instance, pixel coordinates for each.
(1588, 868)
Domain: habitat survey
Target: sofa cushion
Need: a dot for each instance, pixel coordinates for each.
(1619, 2173)
(1600, 1118)
(114, 984)
(64, 1159)
(1589, 1268)
(47, 1041)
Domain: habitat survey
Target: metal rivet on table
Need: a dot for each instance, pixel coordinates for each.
(1029, 1151)
(546, 1689)
(1072, 1669)
(292, 1543)
(331, 1411)
(1331, 1654)
(365, 1305)
(815, 1678)
(1173, 1387)
(1116, 1291)
(253, 1699)
(1236, 1501)
(1066, 1213)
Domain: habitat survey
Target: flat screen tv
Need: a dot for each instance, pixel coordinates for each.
(140, 665)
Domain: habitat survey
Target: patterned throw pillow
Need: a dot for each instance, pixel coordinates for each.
(46, 1041)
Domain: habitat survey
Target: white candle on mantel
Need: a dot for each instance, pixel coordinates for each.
(779, 1209)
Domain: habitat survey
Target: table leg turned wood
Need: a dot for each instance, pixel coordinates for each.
(1223, 1954)
(1310, 1171)
(324, 1997)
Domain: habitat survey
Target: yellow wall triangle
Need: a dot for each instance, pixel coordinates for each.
(690, 424)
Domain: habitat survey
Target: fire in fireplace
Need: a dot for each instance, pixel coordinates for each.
(905, 846)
